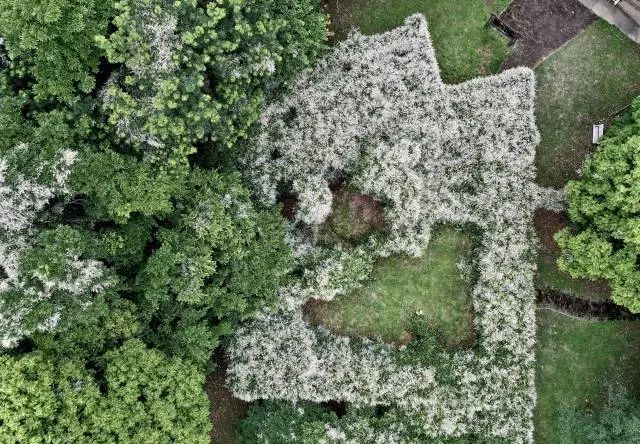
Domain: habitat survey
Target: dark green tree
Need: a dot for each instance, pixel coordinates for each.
(219, 259)
(53, 43)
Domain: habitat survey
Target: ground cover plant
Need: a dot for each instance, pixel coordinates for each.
(464, 47)
(471, 171)
(578, 363)
(437, 285)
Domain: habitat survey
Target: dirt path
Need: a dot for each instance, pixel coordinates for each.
(582, 308)
(544, 26)
(226, 411)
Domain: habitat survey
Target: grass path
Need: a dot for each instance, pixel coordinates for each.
(464, 47)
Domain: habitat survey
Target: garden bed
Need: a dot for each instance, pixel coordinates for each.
(543, 26)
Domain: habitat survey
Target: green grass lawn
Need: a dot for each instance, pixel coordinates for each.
(400, 286)
(464, 48)
(594, 75)
(577, 362)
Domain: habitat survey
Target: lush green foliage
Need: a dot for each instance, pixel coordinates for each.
(604, 207)
(52, 42)
(128, 248)
(196, 73)
(619, 422)
(285, 423)
(144, 397)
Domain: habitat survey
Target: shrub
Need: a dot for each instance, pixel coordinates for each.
(604, 238)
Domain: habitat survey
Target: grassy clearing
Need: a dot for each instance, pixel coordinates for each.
(594, 75)
(400, 286)
(464, 48)
(577, 363)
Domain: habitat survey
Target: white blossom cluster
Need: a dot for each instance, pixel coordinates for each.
(22, 200)
(376, 113)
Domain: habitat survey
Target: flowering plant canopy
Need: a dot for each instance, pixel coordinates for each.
(376, 114)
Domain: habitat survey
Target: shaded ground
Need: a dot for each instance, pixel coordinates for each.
(464, 47)
(547, 223)
(586, 81)
(543, 26)
(439, 284)
(226, 411)
(577, 363)
(353, 217)
(582, 308)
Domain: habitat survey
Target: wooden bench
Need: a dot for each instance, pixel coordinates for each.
(598, 131)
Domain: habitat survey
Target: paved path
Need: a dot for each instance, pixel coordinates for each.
(626, 16)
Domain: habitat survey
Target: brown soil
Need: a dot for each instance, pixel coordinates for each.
(365, 213)
(543, 27)
(583, 308)
(547, 223)
(226, 411)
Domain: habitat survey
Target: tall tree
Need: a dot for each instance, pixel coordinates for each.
(604, 207)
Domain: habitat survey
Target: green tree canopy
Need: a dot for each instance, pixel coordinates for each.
(53, 43)
(143, 396)
(604, 208)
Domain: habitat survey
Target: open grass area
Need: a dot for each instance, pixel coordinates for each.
(464, 47)
(593, 76)
(400, 286)
(577, 362)
(588, 80)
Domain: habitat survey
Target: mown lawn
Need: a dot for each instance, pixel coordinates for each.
(401, 286)
(464, 47)
(577, 362)
(593, 76)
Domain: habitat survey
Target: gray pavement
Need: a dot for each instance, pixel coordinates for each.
(626, 15)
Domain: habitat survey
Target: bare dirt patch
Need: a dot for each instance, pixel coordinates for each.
(543, 26)
(225, 411)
